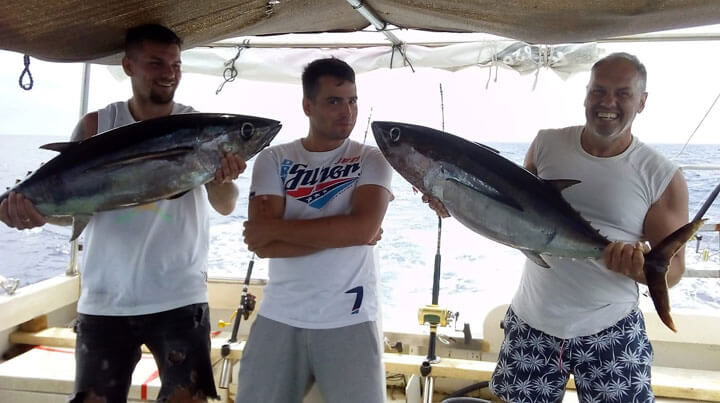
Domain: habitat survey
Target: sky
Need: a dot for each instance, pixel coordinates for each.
(682, 84)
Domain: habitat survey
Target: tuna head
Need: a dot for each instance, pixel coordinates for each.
(247, 135)
(409, 152)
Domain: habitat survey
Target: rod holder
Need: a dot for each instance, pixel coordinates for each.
(226, 369)
(73, 268)
(429, 389)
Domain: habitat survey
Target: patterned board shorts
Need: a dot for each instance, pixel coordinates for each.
(610, 366)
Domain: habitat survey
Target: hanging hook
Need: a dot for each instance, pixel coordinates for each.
(26, 70)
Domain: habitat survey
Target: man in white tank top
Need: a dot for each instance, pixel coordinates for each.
(144, 278)
(316, 205)
(582, 317)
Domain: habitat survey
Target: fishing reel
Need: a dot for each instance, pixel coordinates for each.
(248, 307)
(435, 316)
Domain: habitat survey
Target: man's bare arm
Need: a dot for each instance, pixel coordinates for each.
(668, 214)
(222, 192)
(269, 207)
(360, 227)
(529, 163)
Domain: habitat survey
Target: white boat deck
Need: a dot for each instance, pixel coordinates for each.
(687, 364)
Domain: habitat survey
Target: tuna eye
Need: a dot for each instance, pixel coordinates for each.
(395, 134)
(246, 130)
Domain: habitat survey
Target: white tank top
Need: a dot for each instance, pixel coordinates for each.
(583, 297)
(146, 259)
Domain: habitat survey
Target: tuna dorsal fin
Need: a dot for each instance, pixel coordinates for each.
(487, 147)
(59, 147)
(135, 158)
(536, 258)
(488, 192)
(561, 184)
(79, 223)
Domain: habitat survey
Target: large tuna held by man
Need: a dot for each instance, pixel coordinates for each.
(500, 200)
(140, 163)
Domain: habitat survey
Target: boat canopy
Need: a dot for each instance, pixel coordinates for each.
(82, 31)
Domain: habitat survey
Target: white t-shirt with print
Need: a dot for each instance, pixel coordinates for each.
(333, 287)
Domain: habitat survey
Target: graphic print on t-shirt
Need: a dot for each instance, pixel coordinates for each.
(358, 291)
(317, 186)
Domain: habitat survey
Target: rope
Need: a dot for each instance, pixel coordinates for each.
(698, 126)
(26, 70)
(230, 72)
(494, 64)
(399, 48)
(543, 60)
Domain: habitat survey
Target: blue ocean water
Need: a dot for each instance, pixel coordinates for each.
(477, 274)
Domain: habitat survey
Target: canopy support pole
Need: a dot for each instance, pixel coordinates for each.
(73, 265)
(381, 26)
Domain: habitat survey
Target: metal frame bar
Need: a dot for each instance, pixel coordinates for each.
(74, 265)
(268, 42)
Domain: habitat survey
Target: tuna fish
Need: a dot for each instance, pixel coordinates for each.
(502, 201)
(140, 163)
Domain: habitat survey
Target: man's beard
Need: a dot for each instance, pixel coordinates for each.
(159, 99)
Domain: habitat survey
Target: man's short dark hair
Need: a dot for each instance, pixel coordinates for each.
(135, 36)
(324, 67)
(629, 58)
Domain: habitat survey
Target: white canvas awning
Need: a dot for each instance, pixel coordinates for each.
(255, 59)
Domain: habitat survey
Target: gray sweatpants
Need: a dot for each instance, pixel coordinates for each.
(281, 362)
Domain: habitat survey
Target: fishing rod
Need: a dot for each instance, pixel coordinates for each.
(368, 125)
(433, 314)
(708, 202)
(246, 306)
(428, 317)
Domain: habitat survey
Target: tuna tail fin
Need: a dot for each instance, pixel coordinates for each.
(656, 266)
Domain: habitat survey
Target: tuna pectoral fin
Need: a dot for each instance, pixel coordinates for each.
(656, 267)
(79, 224)
(561, 184)
(536, 258)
